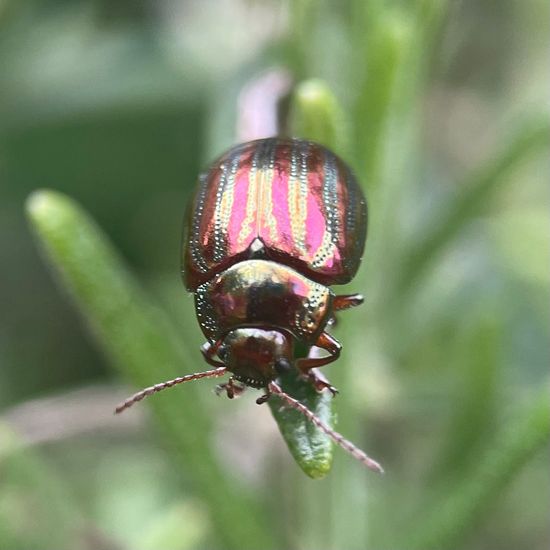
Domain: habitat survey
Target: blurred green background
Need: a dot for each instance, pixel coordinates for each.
(441, 109)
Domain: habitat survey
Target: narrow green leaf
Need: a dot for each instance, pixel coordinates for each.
(316, 114)
(386, 44)
(463, 508)
(30, 486)
(143, 345)
(474, 404)
(477, 191)
(310, 447)
(303, 16)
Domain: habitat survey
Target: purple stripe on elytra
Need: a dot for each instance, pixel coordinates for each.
(269, 219)
(224, 192)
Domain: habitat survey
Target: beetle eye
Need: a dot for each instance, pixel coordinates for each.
(222, 353)
(282, 365)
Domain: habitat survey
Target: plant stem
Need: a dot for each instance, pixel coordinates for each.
(452, 520)
(142, 344)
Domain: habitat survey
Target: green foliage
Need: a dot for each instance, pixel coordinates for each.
(21, 469)
(442, 368)
(476, 192)
(464, 507)
(141, 342)
(310, 447)
(317, 115)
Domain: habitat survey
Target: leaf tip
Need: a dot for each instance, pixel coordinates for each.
(42, 203)
(317, 471)
(314, 90)
(35, 201)
(317, 115)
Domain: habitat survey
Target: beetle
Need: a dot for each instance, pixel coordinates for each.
(273, 224)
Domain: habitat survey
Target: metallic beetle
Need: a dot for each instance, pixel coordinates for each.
(274, 222)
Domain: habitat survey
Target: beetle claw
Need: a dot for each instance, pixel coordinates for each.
(321, 385)
(262, 399)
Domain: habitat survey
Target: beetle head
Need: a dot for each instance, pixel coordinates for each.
(256, 356)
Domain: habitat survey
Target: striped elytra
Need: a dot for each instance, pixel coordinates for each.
(293, 199)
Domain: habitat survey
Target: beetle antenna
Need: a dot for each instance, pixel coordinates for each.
(168, 384)
(338, 438)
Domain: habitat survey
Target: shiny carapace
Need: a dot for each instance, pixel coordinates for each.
(273, 224)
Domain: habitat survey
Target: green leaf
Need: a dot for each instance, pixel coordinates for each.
(302, 14)
(310, 447)
(475, 401)
(477, 191)
(316, 114)
(143, 345)
(31, 488)
(385, 47)
(464, 507)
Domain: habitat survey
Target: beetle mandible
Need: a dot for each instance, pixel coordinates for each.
(273, 223)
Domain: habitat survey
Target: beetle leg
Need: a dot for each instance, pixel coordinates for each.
(208, 351)
(306, 366)
(326, 342)
(231, 389)
(345, 301)
(263, 398)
